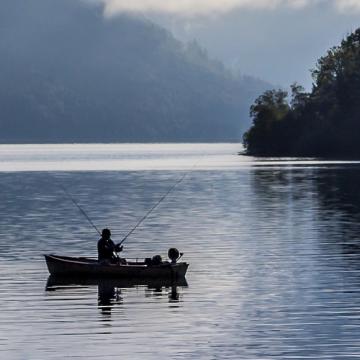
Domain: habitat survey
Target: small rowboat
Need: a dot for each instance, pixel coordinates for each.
(70, 266)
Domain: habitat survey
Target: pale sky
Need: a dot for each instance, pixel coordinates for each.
(210, 7)
(275, 40)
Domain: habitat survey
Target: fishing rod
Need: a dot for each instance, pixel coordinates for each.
(77, 205)
(140, 221)
(153, 208)
(137, 224)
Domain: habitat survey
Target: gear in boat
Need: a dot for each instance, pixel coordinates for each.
(108, 252)
(109, 264)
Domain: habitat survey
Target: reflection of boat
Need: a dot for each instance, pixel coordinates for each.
(109, 289)
(56, 282)
(66, 266)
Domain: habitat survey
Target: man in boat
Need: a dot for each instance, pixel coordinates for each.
(107, 249)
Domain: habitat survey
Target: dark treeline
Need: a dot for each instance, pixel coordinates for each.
(324, 122)
(67, 74)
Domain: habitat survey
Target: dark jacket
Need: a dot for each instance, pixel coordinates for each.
(107, 249)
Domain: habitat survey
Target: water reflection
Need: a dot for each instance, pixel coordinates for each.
(110, 290)
(326, 198)
(108, 295)
(274, 253)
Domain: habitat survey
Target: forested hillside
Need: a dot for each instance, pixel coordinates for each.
(70, 75)
(324, 122)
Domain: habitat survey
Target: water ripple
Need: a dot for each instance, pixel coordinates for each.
(273, 250)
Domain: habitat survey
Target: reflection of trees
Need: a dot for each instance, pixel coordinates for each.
(278, 182)
(338, 189)
(339, 201)
(329, 194)
(278, 189)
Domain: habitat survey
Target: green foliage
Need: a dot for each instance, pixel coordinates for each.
(324, 122)
(268, 110)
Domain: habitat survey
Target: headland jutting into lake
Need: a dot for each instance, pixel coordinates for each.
(323, 122)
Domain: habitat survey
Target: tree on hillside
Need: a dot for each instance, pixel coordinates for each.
(268, 109)
(323, 123)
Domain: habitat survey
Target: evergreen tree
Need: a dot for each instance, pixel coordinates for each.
(323, 123)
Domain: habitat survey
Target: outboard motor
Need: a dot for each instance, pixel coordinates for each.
(173, 255)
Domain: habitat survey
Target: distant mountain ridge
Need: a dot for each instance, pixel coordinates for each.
(70, 75)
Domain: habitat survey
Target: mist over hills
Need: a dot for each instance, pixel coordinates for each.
(70, 75)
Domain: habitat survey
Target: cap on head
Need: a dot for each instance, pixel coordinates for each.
(106, 233)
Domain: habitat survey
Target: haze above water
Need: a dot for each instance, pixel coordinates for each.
(137, 157)
(273, 247)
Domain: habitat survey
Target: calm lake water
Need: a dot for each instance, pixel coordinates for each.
(273, 247)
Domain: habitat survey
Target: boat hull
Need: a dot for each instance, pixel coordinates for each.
(83, 267)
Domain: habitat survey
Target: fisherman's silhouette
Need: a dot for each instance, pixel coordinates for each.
(107, 249)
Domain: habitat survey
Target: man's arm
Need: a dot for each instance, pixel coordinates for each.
(116, 248)
(119, 248)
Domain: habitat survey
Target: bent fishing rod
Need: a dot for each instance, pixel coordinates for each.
(152, 209)
(140, 221)
(77, 205)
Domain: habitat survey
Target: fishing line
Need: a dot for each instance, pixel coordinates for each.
(77, 205)
(141, 220)
(155, 206)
